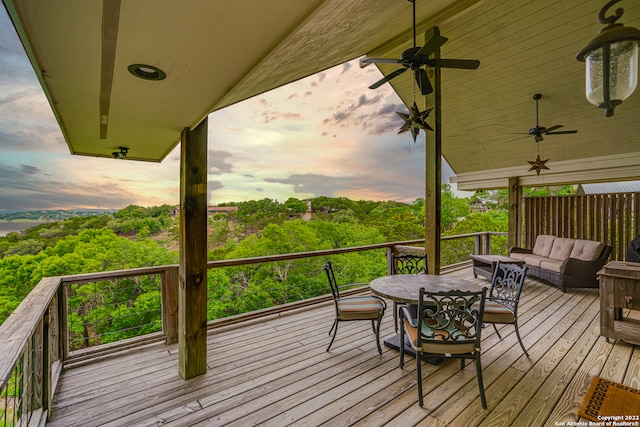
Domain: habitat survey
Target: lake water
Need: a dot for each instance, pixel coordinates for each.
(10, 227)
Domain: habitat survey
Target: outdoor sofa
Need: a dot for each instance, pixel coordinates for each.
(568, 263)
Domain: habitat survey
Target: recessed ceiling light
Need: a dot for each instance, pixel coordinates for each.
(147, 72)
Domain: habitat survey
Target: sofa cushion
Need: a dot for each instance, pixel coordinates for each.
(534, 260)
(543, 244)
(552, 265)
(586, 250)
(561, 248)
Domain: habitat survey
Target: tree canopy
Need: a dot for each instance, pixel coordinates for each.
(138, 236)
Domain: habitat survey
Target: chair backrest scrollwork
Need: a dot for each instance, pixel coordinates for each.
(409, 263)
(506, 284)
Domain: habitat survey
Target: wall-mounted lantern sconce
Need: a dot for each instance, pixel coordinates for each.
(611, 62)
(122, 154)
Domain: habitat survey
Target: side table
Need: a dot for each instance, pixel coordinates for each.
(485, 265)
(620, 293)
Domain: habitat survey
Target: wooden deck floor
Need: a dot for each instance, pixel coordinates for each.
(275, 372)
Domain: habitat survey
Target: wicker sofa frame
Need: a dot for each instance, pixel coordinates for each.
(574, 273)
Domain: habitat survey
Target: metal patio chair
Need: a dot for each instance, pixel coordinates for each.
(448, 325)
(358, 307)
(407, 264)
(502, 303)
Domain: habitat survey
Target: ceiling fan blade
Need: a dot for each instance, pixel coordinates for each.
(562, 132)
(366, 61)
(423, 81)
(465, 64)
(551, 129)
(387, 78)
(430, 47)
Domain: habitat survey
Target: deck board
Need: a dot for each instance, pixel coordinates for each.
(275, 372)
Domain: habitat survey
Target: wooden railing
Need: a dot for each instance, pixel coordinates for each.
(613, 219)
(34, 341)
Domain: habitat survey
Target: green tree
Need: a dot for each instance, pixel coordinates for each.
(26, 247)
(452, 208)
(454, 251)
(295, 205)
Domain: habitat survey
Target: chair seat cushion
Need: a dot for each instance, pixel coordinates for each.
(359, 307)
(448, 337)
(495, 312)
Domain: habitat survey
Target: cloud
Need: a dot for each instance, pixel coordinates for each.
(362, 100)
(362, 114)
(270, 116)
(214, 185)
(15, 96)
(216, 162)
(295, 141)
(319, 185)
(28, 187)
(341, 117)
(30, 170)
(26, 121)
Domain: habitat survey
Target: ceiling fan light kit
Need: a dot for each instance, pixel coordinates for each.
(611, 61)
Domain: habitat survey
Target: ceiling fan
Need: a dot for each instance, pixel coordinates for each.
(539, 131)
(415, 57)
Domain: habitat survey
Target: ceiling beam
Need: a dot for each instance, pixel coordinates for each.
(580, 171)
(110, 22)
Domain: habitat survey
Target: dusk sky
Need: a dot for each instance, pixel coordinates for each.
(326, 135)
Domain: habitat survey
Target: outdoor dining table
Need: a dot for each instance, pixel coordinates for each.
(405, 289)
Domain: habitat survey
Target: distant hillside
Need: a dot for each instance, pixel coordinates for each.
(50, 215)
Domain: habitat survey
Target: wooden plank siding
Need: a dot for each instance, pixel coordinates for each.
(274, 371)
(613, 219)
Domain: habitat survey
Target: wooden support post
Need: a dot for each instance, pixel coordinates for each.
(434, 174)
(192, 301)
(515, 213)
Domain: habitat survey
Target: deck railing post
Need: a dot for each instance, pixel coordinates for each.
(64, 322)
(45, 364)
(37, 360)
(487, 243)
(170, 298)
(390, 251)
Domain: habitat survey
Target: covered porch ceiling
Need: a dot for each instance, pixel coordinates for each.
(217, 53)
